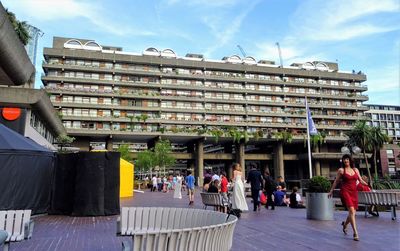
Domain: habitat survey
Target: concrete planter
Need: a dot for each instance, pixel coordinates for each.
(319, 206)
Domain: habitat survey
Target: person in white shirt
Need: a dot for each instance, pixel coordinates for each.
(295, 199)
(154, 181)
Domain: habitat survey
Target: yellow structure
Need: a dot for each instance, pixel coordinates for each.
(125, 178)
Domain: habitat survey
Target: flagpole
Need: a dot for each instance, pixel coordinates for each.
(308, 141)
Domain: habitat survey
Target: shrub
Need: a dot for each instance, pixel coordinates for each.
(319, 184)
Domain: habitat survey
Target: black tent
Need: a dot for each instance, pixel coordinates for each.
(26, 173)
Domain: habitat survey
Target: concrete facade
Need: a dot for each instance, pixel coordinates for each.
(37, 118)
(15, 67)
(211, 104)
(387, 117)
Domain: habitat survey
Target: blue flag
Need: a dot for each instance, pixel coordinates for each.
(311, 126)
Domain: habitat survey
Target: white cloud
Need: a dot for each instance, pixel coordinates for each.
(384, 85)
(224, 35)
(49, 10)
(384, 79)
(339, 20)
(204, 3)
(292, 52)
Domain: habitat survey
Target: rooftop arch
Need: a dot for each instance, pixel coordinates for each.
(308, 66)
(321, 66)
(168, 53)
(233, 59)
(93, 45)
(73, 43)
(151, 51)
(249, 60)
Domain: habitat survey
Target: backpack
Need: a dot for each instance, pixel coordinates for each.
(270, 184)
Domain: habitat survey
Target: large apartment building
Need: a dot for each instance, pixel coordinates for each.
(387, 117)
(235, 106)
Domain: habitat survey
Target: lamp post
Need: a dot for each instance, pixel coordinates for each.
(353, 150)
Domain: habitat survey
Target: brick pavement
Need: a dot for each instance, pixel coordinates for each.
(282, 229)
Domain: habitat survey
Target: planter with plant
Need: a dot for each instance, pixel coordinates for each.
(319, 206)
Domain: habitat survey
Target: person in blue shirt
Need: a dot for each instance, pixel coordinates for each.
(190, 186)
(279, 197)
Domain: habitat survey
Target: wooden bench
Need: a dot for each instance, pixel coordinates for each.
(156, 228)
(17, 224)
(380, 198)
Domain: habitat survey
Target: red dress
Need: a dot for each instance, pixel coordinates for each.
(348, 191)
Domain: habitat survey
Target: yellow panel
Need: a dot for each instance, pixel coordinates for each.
(126, 179)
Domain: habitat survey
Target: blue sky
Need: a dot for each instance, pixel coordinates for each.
(358, 34)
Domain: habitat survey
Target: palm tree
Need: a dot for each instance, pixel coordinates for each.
(360, 136)
(378, 138)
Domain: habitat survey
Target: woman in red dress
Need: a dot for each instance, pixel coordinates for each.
(348, 192)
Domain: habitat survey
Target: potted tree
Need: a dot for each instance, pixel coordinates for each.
(319, 206)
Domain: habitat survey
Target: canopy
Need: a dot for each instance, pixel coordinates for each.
(26, 171)
(13, 141)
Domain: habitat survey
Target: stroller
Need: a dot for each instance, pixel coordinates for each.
(231, 211)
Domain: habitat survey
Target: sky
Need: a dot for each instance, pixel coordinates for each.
(360, 35)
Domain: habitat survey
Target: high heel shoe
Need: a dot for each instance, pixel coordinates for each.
(344, 228)
(355, 237)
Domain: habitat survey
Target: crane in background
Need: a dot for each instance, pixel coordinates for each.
(242, 51)
(280, 53)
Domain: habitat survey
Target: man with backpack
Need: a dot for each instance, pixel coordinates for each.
(270, 188)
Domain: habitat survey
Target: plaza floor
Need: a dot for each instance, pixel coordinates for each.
(281, 229)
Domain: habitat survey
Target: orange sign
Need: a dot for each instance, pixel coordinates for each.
(11, 113)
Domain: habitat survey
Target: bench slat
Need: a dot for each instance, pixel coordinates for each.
(124, 220)
(138, 219)
(131, 220)
(10, 223)
(3, 220)
(18, 231)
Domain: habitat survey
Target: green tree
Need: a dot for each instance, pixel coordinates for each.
(131, 122)
(125, 152)
(284, 136)
(378, 138)
(217, 134)
(64, 140)
(145, 161)
(21, 28)
(318, 139)
(144, 117)
(235, 134)
(163, 154)
(360, 136)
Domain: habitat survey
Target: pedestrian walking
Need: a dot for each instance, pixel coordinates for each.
(269, 187)
(190, 186)
(349, 175)
(178, 187)
(256, 181)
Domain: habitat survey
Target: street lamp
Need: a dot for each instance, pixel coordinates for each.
(353, 150)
